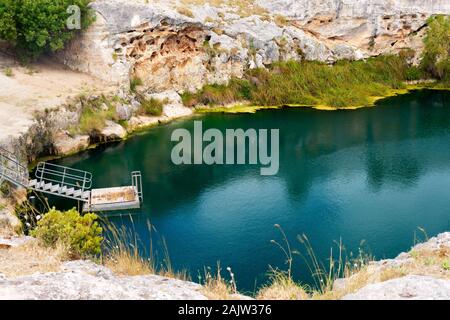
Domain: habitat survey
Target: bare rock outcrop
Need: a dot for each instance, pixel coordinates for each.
(65, 143)
(83, 280)
(410, 287)
(113, 131)
(172, 45)
(421, 273)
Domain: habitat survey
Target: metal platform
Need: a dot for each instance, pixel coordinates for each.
(112, 199)
(71, 184)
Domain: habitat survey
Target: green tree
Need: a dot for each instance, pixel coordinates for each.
(436, 56)
(34, 27)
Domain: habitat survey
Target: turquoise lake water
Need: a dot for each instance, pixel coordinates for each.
(374, 175)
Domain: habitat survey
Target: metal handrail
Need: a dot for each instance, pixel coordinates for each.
(12, 169)
(136, 178)
(64, 176)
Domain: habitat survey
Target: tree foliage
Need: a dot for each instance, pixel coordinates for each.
(436, 56)
(34, 27)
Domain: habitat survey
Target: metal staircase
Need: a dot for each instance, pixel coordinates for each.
(57, 180)
(62, 181)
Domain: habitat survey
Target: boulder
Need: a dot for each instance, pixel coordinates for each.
(66, 144)
(113, 131)
(124, 112)
(173, 105)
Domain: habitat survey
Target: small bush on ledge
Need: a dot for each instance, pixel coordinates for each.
(79, 235)
(151, 107)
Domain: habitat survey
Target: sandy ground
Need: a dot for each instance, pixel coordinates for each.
(38, 86)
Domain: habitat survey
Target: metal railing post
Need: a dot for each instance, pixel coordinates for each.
(84, 183)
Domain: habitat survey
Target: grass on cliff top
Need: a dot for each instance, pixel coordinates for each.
(344, 84)
(123, 257)
(355, 271)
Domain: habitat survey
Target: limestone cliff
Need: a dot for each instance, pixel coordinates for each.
(183, 44)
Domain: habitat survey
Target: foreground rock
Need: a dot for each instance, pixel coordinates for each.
(82, 280)
(14, 241)
(422, 273)
(411, 287)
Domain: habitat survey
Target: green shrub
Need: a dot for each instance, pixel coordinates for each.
(151, 107)
(436, 56)
(96, 111)
(414, 73)
(189, 99)
(219, 94)
(135, 83)
(37, 26)
(81, 235)
(8, 72)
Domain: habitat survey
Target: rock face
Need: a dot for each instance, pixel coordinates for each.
(113, 131)
(411, 287)
(66, 144)
(421, 283)
(82, 280)
(173, 106)
(181, 47)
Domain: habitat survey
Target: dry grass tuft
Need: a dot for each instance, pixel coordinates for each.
(124, 258)
(215, 287)
(430, 262)
(31, 258)
(185, 12)
(282, 287)
(281, 21)
(128, 262)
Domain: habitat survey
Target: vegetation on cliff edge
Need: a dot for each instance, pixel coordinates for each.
(79, 234)
(436, 56)
(345, 84)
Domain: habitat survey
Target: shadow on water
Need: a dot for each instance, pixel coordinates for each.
(374, 173)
